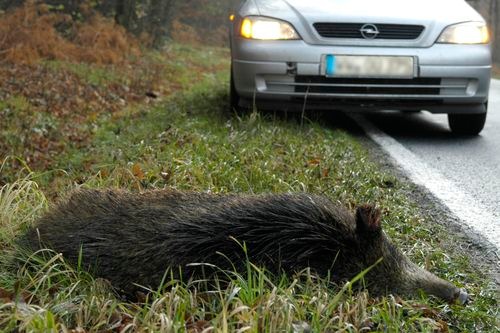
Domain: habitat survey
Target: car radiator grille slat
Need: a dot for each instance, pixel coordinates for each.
(352, 30)
(365, 87)
(416, 86)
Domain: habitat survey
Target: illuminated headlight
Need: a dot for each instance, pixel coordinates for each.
(465, 33)
(254, 27)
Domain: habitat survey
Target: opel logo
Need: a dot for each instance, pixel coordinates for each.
(369, 31)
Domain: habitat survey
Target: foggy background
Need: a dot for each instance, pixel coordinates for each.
(490, 9)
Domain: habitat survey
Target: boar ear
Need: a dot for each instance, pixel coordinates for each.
(368, 219)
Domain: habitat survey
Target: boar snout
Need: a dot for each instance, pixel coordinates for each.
(433, 285)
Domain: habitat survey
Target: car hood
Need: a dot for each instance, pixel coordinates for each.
(435, 15)
(450, 11)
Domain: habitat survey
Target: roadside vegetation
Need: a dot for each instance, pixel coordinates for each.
(496, 72)
(160, 118)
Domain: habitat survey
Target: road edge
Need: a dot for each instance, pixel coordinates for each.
(470, 212)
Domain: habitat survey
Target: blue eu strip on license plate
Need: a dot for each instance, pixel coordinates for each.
(330, 65)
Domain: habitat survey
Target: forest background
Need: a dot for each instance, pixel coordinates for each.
(194, 21)
(152, 21)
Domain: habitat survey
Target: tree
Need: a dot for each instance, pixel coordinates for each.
(125, 14)
(158, 20)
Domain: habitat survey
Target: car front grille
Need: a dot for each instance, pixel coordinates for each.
(342, 86)
(317, 86)
(353, 30)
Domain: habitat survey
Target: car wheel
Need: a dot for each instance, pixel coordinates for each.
(234, 97)
(466, 124)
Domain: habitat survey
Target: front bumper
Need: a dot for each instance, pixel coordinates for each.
(448, 78)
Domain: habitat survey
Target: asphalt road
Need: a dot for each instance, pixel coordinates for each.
(471, 164)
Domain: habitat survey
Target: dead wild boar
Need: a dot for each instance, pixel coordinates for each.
(132, 238)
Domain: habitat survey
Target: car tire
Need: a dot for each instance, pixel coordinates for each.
(466, 124)
(234, 97)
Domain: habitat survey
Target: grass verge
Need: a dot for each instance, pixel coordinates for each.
(496, 71)
(191, 141)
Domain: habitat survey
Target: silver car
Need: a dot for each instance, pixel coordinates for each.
(407, 55)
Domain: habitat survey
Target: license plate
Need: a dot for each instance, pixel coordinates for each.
(369, 66)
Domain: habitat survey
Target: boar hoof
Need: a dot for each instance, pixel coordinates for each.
(462, 297)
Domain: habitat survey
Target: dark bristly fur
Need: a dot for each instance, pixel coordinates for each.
(133, 238)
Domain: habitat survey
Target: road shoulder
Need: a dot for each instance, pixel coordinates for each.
(458, 238)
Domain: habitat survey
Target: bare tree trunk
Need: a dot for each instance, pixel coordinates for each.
(107, 7)
(158, 20)
(125, 14)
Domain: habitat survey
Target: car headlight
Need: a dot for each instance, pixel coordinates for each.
(254, 27)
(465, 33)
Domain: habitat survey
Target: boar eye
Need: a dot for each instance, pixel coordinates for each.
(368, 219)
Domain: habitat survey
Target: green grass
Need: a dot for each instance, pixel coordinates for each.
(191, 141)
